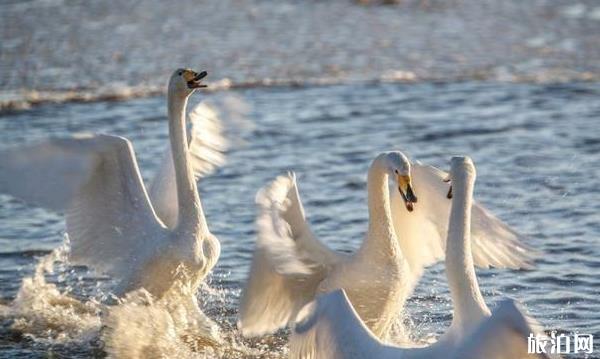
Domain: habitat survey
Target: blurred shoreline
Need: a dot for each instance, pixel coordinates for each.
(11, 101)
(55, 51)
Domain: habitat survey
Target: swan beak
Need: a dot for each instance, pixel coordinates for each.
(447, 180)
(406, 191)
(194, 79)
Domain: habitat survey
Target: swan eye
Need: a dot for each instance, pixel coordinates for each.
(180, 73)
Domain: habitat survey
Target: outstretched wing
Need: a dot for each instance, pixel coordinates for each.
(207, 145)
(329, 327)
(422, 233)
(288, 263)
(96, 181)
(501, 336)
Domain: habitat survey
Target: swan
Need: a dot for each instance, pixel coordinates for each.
(290, 265)
(114, 225)
(422, 234)
(330, 327)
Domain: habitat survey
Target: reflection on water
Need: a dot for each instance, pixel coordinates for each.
(535, 147)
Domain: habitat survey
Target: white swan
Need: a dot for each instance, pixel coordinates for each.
(290, 265)
(111, 222)
(331, 328)
(422, 234)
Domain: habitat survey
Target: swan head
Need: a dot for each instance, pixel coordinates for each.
(398, 167)
(462, 170)
(184, 81)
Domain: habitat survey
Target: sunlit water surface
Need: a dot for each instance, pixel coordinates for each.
(60, 50)
(536, 148)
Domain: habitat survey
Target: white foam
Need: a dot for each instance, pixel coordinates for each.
(41, 312)
(137, 326)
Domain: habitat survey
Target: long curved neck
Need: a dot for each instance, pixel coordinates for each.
(467, 300)
(189, 207)
(381, 236)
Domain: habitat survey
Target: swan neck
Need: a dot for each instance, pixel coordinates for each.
(464, 288)
(190, 209)
(381, 228)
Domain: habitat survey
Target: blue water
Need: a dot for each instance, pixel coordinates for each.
(536, 148)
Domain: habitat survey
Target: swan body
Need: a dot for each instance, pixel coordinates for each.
(141, 239)
(330, 327)
(290, 265)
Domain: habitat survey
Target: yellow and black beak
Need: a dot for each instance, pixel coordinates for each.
(193, 78)
(449, 195)
(406, 191)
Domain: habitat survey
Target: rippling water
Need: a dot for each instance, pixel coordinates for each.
(536, 148)
(56, 50)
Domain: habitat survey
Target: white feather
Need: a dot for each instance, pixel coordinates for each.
(111, 222)
(422, 233)
(288, 264)
(96, 181)
(333, 329)
(329, 327)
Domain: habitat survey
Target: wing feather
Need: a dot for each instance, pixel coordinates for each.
(422, 233)
(96, 181)
(329, 327)
(47, 174)
(288, 262)
(501, 336)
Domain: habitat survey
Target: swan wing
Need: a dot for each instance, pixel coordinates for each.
(501, 336)
(329, 327)
(288, 262)
(422, 233)
(94, 179)
(206, 144)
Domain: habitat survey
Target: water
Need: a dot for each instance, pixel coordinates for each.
(319, 87)
(536, 149)
(57, 50)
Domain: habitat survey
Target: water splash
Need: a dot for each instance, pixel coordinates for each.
(141, 326)
(138, 325)
(41, 312)
(172, 326)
